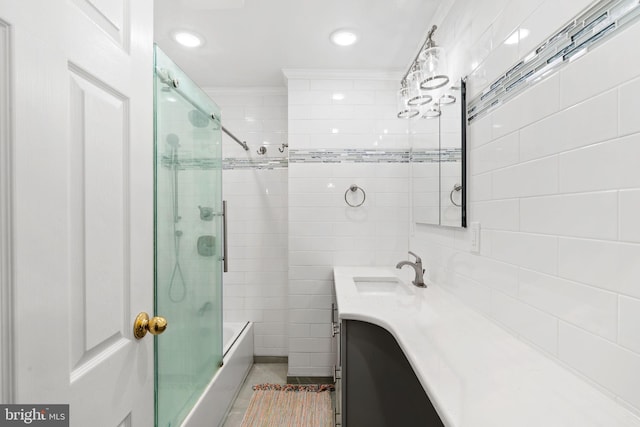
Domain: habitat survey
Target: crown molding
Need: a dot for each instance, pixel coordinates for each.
(333, 74)
(254, 90)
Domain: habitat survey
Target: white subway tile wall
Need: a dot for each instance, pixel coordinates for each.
(555, 183)
(323, 230)
(255, 288)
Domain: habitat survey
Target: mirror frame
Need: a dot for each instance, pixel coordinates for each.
(463, 145)
(444, 195)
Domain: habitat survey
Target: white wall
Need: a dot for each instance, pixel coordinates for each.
(553, 179)
(5, 223)
(255, 288)
(323, 230)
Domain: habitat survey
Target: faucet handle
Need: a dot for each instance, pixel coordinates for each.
(418, 259)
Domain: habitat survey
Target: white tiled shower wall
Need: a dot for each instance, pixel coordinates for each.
(554, 181)
(255, 288)
(323, 230)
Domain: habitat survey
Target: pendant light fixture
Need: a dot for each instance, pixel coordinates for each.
(432, 63)
(423, 85)
(433, 112)
(417, 96)
(406, 110)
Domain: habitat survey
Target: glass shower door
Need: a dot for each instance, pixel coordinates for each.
(188, 240)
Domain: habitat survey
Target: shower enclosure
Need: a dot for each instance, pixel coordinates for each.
(188, 240)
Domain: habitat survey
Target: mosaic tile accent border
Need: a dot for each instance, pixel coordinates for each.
(191, 163)
(319, 156)
(576, 38)
(186, 163)
(425, 156)
(233, 163)
(446, 155)
(349, 156)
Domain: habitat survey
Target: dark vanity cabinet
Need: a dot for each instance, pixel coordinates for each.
(337, 368)
(375, 384)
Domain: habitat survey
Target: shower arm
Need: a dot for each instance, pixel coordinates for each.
(174, 84)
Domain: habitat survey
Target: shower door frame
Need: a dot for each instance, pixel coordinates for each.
(167, 73)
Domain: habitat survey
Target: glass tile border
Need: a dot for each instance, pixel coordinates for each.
(589, 29)
(349, 156)
(449, 155)
(190, 163)
(228, 163)
(235, 163)
(432, 155)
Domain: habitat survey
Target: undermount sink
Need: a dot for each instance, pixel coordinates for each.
(380, 286)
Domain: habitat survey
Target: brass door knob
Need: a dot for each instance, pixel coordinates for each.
(143, 324)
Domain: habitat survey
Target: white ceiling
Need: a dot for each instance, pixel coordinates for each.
(249, 42)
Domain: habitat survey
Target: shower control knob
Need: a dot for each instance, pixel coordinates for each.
(143, 324)
(335, 329)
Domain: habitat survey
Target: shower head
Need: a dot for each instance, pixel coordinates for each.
(173, 140)
(198, 119)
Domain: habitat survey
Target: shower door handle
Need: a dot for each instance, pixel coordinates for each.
(225, 265)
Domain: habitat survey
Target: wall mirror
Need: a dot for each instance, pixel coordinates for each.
(438, 163)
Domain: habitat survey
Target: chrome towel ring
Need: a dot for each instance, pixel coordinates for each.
(456, 187)
(353, 189)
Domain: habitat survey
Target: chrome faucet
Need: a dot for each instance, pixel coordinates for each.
(417, 266)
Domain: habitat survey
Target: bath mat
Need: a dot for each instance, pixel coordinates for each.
(289, 405)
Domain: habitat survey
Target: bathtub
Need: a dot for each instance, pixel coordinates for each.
(218, 397)
(231, 332)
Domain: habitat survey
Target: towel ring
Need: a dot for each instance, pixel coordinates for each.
(355, 188)
(456, 187)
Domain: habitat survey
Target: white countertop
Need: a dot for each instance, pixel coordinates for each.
(475, 373)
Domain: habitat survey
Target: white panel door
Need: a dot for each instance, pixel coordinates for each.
(82, 77)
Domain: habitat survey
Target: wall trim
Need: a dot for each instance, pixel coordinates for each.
(7, 385)
(319, 74)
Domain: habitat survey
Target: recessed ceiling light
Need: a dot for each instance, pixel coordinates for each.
(187, 38)
(344, 37)
(337, 96)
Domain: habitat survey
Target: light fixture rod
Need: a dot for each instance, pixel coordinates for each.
(428, 42)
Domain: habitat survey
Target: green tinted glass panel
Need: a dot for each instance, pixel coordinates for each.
(188, 241)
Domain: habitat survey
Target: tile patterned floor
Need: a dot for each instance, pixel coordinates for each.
(259, 373)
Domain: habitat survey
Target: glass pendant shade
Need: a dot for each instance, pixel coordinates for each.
(446, 99)
(406, 111)
(416, 95)
(433, 68)
(433, 112)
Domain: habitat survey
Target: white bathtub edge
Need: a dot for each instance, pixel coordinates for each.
(213, 405)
